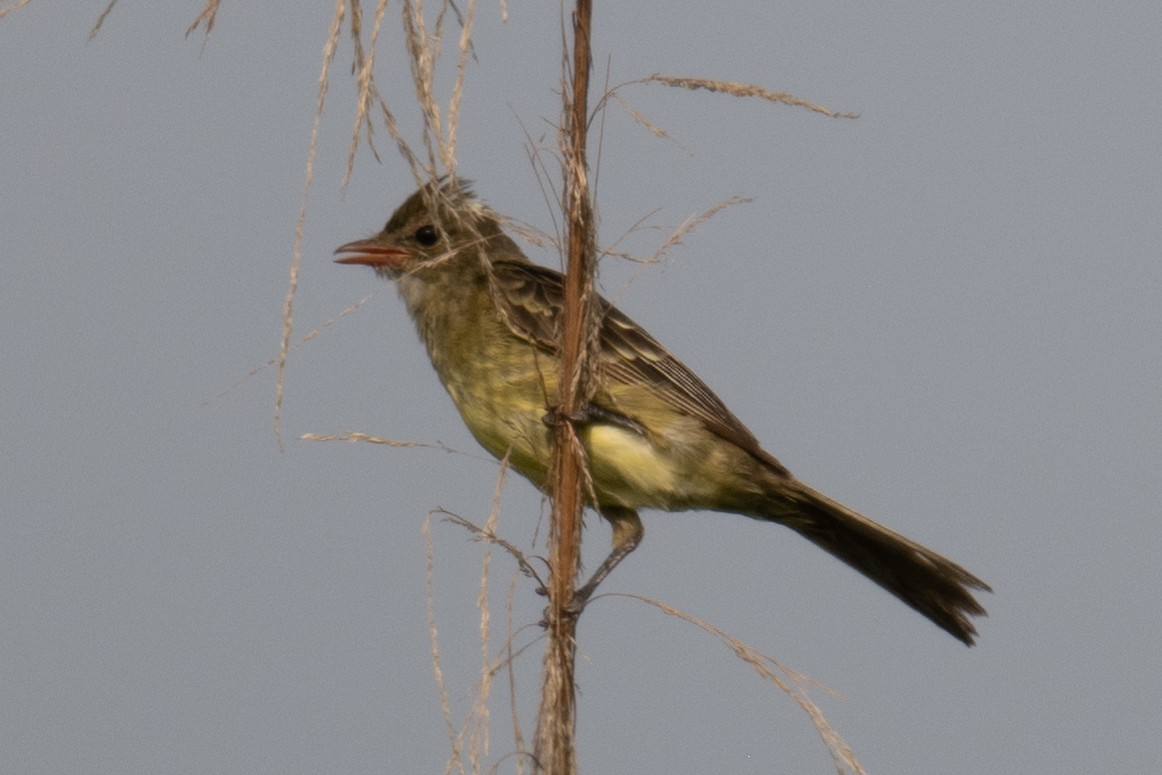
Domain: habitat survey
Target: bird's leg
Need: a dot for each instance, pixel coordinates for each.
(627, 525)
(627, 534)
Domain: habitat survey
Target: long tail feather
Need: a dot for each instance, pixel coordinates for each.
(928, 582)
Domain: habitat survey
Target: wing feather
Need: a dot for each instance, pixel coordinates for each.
(531, 299)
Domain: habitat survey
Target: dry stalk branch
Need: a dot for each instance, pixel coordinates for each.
(358, 436)
(424, 50)
(675, 238)
(789, 681)
(465, 49)
(314, 332)
(18, 4)
(205, 18)
(555, 744)
(640, 118)
(364, 69)
(741, 90)
(469, 745)
(489, 535)
(433, 637)
(96, 26)
(329, 49)
(690, 225)
(477, 725)
(509, 661)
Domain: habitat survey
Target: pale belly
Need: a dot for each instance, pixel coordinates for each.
(671, 468)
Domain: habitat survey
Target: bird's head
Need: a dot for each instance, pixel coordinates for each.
(433, 225)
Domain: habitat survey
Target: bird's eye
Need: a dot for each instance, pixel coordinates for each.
(427, 236)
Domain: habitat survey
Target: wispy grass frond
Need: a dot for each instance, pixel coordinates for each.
(743, 90)
(791, 682)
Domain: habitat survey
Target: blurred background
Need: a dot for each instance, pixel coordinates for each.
(946, 313)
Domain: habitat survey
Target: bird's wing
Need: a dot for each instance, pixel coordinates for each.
(531, 300)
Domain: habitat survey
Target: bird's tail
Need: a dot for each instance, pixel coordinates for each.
(933, 585)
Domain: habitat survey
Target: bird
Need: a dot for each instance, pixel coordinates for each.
(654, 435)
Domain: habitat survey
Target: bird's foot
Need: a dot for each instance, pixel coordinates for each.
(555, 417)
(571, 610)
(589, 415)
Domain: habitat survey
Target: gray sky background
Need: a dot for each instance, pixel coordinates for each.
(946, 314)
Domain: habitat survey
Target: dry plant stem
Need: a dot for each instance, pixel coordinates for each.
(329, 49)
(21, 3)
(477, 727)
(364, 78)
(743, 90)
(470, 743)
(96, 27)
(445, 705)
(206, 17)
(555, 751)
(791, 682)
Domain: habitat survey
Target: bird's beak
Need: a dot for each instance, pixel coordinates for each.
(371, 252)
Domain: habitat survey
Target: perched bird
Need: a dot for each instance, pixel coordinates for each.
(655, 435)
